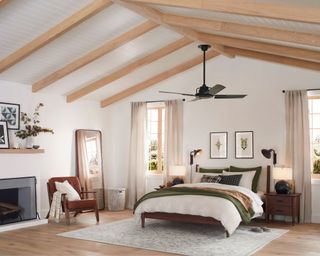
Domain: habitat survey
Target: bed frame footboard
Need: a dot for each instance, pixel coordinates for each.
(179, 217)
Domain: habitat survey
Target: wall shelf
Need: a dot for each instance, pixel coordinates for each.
(21, 151)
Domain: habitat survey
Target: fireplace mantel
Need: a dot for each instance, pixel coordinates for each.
(21, 151)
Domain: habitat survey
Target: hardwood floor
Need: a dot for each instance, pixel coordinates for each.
(302, 239)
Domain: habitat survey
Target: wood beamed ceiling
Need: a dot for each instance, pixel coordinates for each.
(229, 37)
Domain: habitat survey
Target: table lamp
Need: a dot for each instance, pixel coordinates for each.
(178, 171)
(282, 174)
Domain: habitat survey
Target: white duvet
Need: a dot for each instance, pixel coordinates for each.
(219, 208)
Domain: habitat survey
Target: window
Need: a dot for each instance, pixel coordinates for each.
(314, 123)
(155, 137)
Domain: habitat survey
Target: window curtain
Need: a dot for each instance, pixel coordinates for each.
(173, 135)
(298, 147)
(137, 164)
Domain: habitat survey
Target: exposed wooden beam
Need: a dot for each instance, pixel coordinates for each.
(157, 17)
(53, 33)
(242, 29)
(276, 10)
(292, 52)
(129, 68)
(3, 2)
(157, 78)
(95, 54)
(275, 58)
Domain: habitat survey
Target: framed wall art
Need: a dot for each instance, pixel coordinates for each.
(10, 112)
(244, 144)
(218, 145)
(4, 138)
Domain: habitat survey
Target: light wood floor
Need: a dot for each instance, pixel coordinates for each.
(302, 239)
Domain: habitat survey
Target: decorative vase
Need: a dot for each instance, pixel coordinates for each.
(29, 142)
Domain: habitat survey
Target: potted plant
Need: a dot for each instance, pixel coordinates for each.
(32, 127)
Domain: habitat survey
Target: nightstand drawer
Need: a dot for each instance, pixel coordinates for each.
(279, 201)
(276, 210)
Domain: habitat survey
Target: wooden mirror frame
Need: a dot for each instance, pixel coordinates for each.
(96, 182)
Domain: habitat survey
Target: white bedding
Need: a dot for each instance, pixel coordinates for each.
(219, 208)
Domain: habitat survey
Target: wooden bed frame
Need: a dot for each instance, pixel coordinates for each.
(190, 218)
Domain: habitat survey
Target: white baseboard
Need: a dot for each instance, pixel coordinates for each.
(315, 219)
(22, 224)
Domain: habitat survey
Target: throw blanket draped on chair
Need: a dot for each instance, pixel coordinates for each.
(56, 208)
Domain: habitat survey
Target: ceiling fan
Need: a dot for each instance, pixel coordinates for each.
(205, 92)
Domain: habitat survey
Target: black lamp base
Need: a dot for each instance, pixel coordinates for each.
(282, 187)
(177, 181)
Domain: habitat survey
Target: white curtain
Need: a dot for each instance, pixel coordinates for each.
(298, 147)
(137, 164)
(173, 134)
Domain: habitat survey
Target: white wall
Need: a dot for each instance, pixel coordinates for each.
(262, 111)
(59, 156)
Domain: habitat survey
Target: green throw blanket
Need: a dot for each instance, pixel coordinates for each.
(180, 191)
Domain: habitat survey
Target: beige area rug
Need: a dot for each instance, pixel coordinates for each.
(177, 237)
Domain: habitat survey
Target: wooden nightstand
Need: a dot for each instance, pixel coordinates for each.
(283, 204)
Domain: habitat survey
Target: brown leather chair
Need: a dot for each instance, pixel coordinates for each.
(76, 206)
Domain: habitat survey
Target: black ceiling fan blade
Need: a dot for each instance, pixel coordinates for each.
(215, 89)
(180, 93)
(230, 96)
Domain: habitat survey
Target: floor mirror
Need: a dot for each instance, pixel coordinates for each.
(89, 163)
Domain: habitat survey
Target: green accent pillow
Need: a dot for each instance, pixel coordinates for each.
(216, 170)
(255, 180)
(233, 180)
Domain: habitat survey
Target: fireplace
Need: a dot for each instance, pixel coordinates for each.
(18, 200)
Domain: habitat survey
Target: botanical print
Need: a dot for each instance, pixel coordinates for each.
(218, 144)
(244, 144)
(11, 113)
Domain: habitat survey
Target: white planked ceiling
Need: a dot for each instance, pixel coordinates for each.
(85, 37)
(21, 21)
(38, 16)
(116, 59)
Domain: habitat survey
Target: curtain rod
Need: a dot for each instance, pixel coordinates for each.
(308, 90)
(153, 101)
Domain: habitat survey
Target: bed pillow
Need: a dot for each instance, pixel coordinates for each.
(211, 178)
(65, 187)
(246, 179)
(196, 177)
(230, 179)
(255, 178)
(212, 170)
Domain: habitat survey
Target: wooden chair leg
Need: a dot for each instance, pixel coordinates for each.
(97, 213)
(67, 214)
(142, 220)
(66, 211)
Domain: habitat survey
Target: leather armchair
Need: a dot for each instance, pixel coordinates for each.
(76, 206)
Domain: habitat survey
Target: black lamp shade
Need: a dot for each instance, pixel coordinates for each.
(282, 187)
(267, 154)
(194, 153)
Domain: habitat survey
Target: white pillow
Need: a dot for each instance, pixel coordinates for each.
(65, 187)
(246, 179)
(196, 177)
